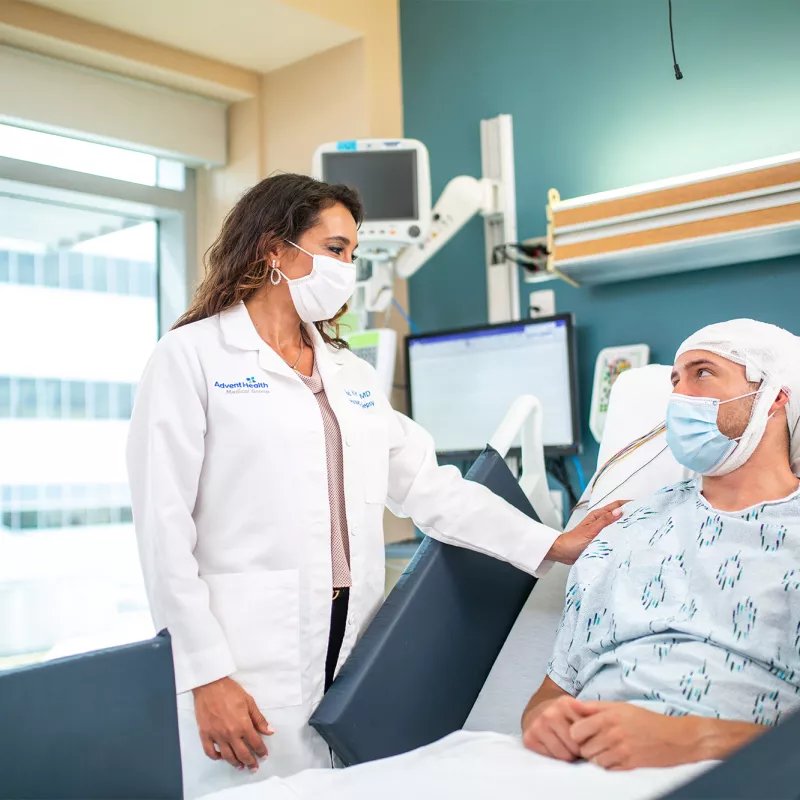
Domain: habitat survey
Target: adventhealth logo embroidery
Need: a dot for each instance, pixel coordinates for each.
(247, 386)
(360, 399)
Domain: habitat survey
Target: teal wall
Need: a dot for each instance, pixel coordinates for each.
(596, 106)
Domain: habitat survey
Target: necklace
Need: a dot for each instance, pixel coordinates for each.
(300, 354)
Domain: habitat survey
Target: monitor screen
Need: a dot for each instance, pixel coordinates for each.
(385, 179)
(463, 383)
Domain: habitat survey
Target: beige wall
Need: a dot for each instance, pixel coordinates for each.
(379, 21)
(51, 33)
(350, 91)
(320, 99)
(219, 189)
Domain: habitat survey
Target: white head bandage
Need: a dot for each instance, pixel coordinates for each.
(771, 357)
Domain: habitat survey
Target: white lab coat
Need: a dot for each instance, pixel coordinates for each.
(226, 459)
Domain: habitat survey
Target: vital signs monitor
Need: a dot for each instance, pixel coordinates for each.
(393, 178)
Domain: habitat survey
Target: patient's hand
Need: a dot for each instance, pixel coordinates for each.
(228, 717)
(568, 547)
(547, 728)
(620, 736)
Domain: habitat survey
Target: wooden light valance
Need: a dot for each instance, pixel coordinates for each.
(742, 213)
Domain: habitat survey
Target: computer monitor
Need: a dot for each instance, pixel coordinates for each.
(393, 178)
(462, 383)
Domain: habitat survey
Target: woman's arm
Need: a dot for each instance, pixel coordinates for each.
(456, 511)
(166, 448)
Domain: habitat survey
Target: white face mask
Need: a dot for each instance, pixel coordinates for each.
(320, 294)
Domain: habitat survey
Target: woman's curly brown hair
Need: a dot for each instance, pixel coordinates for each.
(278, 209)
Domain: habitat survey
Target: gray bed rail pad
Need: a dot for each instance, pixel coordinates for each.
(417, 671)
(102, 725)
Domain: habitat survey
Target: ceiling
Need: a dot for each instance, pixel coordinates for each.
(257, 35)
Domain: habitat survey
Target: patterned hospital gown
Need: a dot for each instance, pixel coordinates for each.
(683, 609)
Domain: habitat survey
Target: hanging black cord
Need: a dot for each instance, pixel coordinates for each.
(678, 73)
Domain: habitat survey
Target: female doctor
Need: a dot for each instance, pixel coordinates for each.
(261, 455)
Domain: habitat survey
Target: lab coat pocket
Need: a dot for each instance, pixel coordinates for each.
(260, 615)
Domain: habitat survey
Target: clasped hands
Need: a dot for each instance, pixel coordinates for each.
(615, 736)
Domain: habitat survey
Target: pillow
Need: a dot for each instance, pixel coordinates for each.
(637, 405)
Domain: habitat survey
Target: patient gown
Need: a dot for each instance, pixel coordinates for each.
(684, 609)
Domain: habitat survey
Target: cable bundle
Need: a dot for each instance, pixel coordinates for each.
(621, 456)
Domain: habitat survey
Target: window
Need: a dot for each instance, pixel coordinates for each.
(122, 401)
(79, 307)
(76, 399)
(95, 159)
(28, 519)
(82, 301)
(51, 399)
(75, 270)
(26, 405)
(47, 398)
(98, 270)
(52, 270)
(25, 268)
(5, 396)
(101, 401)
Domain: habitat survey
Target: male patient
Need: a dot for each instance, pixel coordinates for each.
(680, 639)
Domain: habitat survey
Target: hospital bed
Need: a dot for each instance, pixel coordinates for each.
(366, 690)
(493, 647)
(371, 711)
(637, 406)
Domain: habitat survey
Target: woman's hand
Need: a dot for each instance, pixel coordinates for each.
(228, 717)
(568, 547)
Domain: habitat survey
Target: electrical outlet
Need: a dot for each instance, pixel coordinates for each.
(542, 303)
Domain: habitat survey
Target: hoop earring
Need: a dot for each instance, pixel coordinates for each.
(274, 274)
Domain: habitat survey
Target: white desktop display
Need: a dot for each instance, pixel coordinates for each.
(463, 383)
(611, 363)
(394, 180)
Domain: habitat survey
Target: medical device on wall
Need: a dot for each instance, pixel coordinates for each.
(742, 213)
(611, 363)
(494, 196)
(462, 383)
(394, 180)
(401, 232)
(378, 347)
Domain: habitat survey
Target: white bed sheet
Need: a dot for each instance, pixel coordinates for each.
(469, 766)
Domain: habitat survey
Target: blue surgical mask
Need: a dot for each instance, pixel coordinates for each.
(693, 435)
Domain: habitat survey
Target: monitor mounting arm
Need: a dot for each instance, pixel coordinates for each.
(493, 196)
